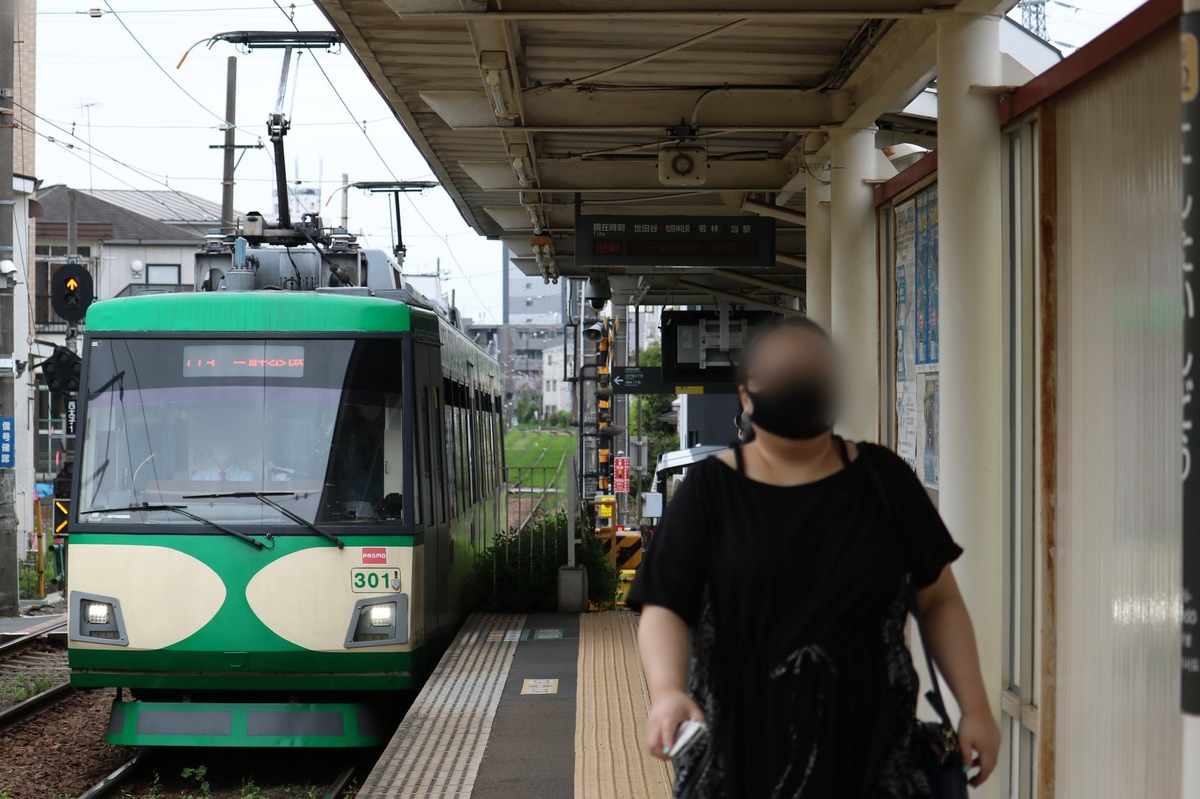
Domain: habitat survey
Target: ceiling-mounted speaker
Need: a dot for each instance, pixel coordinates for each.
(682, 165)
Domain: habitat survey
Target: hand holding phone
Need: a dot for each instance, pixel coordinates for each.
(689, 733)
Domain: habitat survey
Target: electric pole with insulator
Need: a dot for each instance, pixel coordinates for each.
(9, 580)
(1033, 18)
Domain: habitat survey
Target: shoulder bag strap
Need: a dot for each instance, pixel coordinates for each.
(934, 695)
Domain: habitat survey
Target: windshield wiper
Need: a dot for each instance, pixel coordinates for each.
(265, 498)
(182, 511)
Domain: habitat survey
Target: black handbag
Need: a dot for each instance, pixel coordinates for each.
(936, 743)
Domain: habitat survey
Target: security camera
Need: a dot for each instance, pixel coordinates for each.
(597, 292)
(7, 267)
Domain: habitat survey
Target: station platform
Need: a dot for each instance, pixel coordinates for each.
(538, 707)
(17, 626)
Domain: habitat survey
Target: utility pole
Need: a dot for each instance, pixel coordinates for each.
(227, 221)
(9, 579)
(72, 226)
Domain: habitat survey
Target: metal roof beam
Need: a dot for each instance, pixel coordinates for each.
(751, 280)
(627, 176)
(740, 299)
(650, 111)
(640, 9)
(906, 57)
(341, 19)
(560, 217)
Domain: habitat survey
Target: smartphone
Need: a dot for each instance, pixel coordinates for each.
(689, 733)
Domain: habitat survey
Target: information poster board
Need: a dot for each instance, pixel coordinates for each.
(917, 341)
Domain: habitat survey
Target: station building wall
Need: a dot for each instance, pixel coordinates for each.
(1089, 633)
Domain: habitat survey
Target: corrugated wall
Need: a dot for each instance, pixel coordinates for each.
(1118, 577)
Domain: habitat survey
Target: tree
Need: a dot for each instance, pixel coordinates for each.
(527, 400)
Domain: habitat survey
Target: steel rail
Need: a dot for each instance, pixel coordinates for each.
(17, 644)
(338, 789)
(34, 704)
(109, 783)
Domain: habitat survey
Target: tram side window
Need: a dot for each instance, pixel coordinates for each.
(498, 442)
(491, 417)
(460, 449)
(437, 426)
(473, 442)
(451, 484)
(486, 438)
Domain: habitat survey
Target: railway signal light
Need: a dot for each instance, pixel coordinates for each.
(72, 292)
(61, 371)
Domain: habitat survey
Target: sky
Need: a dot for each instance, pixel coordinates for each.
(117, 113)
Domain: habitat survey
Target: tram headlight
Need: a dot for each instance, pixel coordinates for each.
(98, 612)
(97, 619)
(378, 621)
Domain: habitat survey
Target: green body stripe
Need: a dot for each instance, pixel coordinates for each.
(126, 727)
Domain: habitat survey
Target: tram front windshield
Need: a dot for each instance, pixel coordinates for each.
(315, 425)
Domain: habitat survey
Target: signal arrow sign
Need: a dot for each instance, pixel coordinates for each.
(72, 284)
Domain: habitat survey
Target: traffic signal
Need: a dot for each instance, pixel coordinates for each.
(61, 371)
(71, 292)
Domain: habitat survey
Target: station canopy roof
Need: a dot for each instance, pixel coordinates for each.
(523, 106)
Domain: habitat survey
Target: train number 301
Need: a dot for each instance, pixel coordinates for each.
(368, 580)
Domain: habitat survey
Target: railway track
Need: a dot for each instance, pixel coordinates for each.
(548, 486)
(108, 785)
(140, 765)
(27, 660)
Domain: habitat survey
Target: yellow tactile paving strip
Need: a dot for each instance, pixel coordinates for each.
(611, 705)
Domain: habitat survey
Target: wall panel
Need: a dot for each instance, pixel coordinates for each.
(1118, 578)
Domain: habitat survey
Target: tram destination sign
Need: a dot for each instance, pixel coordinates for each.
(716, 242)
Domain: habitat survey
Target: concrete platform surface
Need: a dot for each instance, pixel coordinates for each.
(23, 625)
(542, 706)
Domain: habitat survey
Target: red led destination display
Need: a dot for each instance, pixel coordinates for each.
(243, 360)
(713, 242)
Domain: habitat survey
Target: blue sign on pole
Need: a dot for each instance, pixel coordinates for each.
(7, 442)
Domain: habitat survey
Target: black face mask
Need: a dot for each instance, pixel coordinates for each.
(798, 410)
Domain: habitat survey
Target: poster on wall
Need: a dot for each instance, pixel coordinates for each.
(929, 435)
(906, 397)
(917, 345)
(927, 279)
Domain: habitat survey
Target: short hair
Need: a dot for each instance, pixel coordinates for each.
(764, 331)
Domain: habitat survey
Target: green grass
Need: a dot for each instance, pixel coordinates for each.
(24, 687)
(527, 446)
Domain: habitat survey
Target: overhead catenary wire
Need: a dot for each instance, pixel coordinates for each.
(163, 69)
(151, 176)
(386, 166)
(72, 151)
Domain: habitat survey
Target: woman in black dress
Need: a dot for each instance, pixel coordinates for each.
(774, 602)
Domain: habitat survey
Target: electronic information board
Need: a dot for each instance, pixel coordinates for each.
(718, 242)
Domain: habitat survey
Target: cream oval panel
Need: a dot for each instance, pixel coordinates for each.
(306, 597)
(166, 595)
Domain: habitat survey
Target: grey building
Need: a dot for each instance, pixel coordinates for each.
(530, 300)
(534, 313)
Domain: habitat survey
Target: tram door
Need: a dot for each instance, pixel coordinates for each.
(429, 509)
